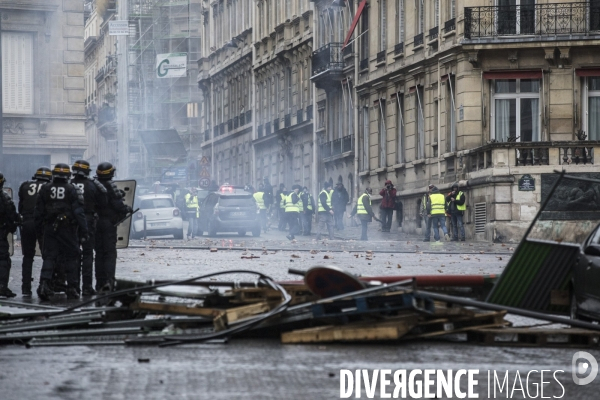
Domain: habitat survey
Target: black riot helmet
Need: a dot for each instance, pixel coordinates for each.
(61, 171)
(2, 180)
(43, 174)
(105, 171)
(81, 168)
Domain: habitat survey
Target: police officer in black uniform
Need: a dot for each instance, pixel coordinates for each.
(106, 230)
(9, 220)
(28, 194)
(94, 198)
(59, 213)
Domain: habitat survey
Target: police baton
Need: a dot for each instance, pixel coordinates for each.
(127, 216)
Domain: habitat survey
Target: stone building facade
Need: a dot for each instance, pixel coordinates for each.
(100, 87)
(283, 93)
(475, 94)
(226, 80)
(43, 85)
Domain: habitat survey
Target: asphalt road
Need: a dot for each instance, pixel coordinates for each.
(266, 369)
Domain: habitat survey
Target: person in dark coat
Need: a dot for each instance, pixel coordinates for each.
(387, 206)
(456, 208)
(339, 201)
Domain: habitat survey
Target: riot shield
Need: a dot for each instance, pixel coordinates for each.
(124, 228)
(10, 237)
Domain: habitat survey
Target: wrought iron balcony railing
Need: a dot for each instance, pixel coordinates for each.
(450, 25)
(328, 58)
(399, 48)
(381, 56)
(433, 33)
(364, 64)
(338, 146)
(418, 40)
(539, 20)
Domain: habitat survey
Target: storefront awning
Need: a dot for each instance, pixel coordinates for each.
(583, 72)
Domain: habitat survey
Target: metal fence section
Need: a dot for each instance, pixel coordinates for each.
(538, 19)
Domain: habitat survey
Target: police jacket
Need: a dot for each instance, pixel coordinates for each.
(94, 194)
(28, 194)
(60, 198)
(8, 214)
(115, 209)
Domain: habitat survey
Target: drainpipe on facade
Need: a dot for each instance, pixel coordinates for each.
(356, 120)
(439, 122)
(123, 110)
(254, 107)
(316, 164)
(213, 172)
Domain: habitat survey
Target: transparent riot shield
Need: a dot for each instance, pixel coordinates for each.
(10, 237)
(124, 228)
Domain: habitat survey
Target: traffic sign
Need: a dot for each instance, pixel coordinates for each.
(204, 161)
(204, 182)
(204, 172)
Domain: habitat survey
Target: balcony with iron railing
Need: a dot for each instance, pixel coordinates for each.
(327, 64)
(399, 49)
(450, 25)
(418, 40)
(544, 20)
(338, 148)
(528, 154)
(433, 33)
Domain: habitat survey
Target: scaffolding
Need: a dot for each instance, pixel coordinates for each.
(161, 27)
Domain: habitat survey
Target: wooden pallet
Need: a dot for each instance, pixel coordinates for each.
(532, 337)
(390, 329)
(444, 326)
(236, 314)
(300, 294)
(177, 309)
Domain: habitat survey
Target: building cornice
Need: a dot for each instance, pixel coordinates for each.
(30, 5)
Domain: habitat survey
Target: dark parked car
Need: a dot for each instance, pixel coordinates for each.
(229, 211)
(585, 298)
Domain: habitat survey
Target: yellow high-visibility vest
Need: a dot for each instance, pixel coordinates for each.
(438, 203)
(329, 195)
(260, 200)
(282, 200)
(309, 202)
(360, 207)
(191, 201)
(291, 207)
(462, 207)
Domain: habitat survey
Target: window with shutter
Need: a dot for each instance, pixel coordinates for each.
(17, 73)
(383, 24)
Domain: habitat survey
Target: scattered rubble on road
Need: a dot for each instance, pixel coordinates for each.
(331, 305)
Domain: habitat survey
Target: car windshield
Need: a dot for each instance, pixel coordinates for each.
(238, 201)
(156, 203)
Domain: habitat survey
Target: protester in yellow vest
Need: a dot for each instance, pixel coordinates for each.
(325, 211)
(436, 211)
(192, 209)
(364, 212)
(456, 207)
(293, 206)
(259, 197)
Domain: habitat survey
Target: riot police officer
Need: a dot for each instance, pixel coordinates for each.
(106, 230)
(28, 194)
(9, 220)
(94, 198)
(58, 213)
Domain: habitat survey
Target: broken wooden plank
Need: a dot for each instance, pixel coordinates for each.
(444, 326)
(178, 309)
(390, 329)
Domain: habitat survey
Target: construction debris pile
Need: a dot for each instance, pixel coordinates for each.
(329, 306)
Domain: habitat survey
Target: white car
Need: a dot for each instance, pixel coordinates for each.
(159, 215)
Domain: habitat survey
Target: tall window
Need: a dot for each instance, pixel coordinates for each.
(400, 128)
(591, 120)
(365, 135)
(451, 9)
(382, 134)
(382, 24)
(17, 73)
(400, 19)
(451, 113)
(436, 12)
(419, 106)
(421, 16)
(516, 112)
(364, 39)
(516, 16)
